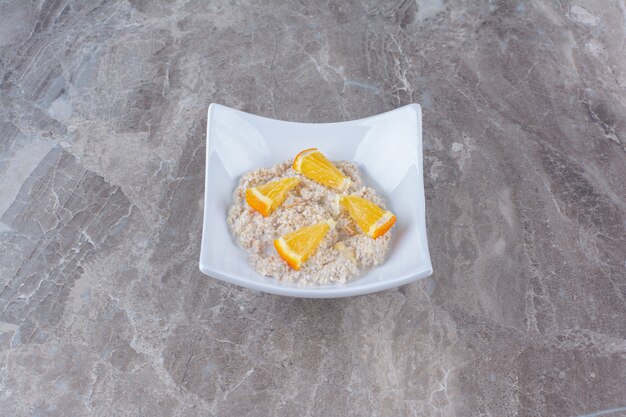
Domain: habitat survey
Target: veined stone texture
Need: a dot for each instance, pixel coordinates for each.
(103, 311)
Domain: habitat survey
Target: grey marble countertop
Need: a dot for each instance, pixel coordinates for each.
(102, 139)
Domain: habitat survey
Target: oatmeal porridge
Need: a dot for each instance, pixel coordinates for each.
(344, 252)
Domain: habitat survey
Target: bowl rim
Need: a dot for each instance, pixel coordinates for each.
(328, 290)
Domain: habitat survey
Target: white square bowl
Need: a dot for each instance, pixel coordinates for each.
(386, 147)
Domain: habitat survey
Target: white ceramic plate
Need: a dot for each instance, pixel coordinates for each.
(386, 147)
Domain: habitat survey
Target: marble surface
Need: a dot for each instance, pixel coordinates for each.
(103, 311)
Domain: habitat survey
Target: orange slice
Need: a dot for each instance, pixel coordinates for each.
(315, 166)
(298, 246)
(266, 198)
(371, 219)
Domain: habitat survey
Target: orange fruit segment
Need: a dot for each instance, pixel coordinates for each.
(298, 246)
(268, 197)
(315, 166)
(371, 219)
